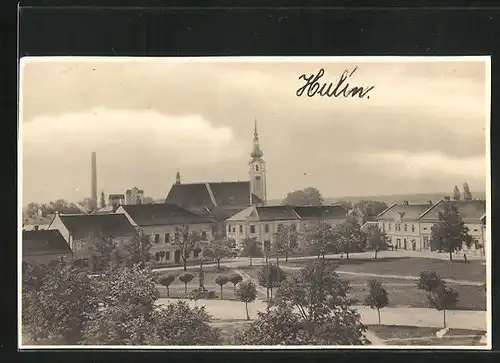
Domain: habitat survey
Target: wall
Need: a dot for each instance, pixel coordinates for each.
(45, 259)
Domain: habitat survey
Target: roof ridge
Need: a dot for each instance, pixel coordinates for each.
(430, 208)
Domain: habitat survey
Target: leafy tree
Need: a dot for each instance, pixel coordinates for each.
(104, 251)
(187, 239)
(443, 298)
(179, 324)
(161, 254)
(319, 238)
(219, 248)
(251, 248)
(271, 276)
(247, 293)
(349, 237)
(467, 194)
(221, 280)
(370, 209)
(166, 280)
(56, 302)
(456, 193)
(312, 307)
(138, 249)
(102, 200)
(377, 298)
(186, 278)
(376, 239)
(235, 280)
(286, 239)
(429, 281)
(307, 196)
(450, 232)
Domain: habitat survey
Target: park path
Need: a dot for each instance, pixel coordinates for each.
(399, 277)
(246, 276)
(422, 317)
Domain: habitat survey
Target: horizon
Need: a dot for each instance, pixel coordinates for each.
(148, 119)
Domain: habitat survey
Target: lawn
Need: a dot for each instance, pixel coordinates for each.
(228, 329)
(411, 335)
(410, 266)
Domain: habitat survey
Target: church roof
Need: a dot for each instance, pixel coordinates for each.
(44, 242)
(163, 214)
(81, 225)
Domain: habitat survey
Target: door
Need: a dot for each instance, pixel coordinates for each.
(404, 244)
(177, 256)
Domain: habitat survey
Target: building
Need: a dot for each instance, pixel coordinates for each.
(160, 223)
(401, 223)
(116, 200)
(37, 222)
(134, 196)
(77, 229)
(472, 212)
(261, 222)
(45, 246)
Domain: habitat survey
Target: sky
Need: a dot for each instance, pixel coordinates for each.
(421, 131)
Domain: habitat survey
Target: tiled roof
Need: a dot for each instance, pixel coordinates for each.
(404, 212)
(81, 225)
(276, 213)
(121, 196)
(321, 212)
(190, 196)
(242, 215)
(44, 242)
(228, 194)
(367, 225)
(163, 214)
(470, 210)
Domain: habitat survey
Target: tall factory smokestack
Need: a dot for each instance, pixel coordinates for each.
(93, 181)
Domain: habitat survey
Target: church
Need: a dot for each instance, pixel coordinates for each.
(222, 200)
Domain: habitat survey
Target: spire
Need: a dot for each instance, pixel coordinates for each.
(178, 177)
(256, 152)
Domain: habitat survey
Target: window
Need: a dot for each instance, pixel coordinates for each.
(204, 235)
(234, 229)
(475, 229)
(413, 228)
(252, 229)
(425, 228)
(167, 256)
(157, 257)
(266, 228)
(398, 242)
(257, 178)
(167, 237)
(229, 229)
(406, 227)
(256, 168)
(280, 225)
(241, 228)
(383, 226)
(389, 226)
(157, 238)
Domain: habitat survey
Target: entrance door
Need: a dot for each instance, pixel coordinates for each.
(404, 243)
(177, 256)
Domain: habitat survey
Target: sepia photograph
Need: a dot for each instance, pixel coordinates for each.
(254, 202)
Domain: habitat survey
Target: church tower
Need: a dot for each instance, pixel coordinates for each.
(257, 170)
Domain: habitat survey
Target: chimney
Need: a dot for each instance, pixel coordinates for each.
(447, 198)
(93, 180)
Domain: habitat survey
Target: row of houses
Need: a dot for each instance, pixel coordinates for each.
(409, 226)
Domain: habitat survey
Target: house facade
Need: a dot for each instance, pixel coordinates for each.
(77, 229)
(160, 223)
(262, 222)
(45, 246)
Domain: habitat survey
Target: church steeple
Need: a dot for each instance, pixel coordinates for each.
(178, 177)
(256, 152)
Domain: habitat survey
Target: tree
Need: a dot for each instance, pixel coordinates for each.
(179, 324)
(456, 193)
(251, 248)
(307, 196)
(443, 298)
(319, 238)
(271, 276)
(286, 239)
(450, 232)
(104, 251)
(187, 239)
(376, 239)
(247, 293)
(312, 308)
(370, 209)
(102, 200)
(138, 249)
(467, 194)
(429, 281)
(377, 297)
(221, 280)
(56, 302)
(235, 280)
(166, 280)
(219, 248)
(186, 278)
(349, 237)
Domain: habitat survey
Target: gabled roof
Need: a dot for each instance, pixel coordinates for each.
(276, 213)
(471, 211)
(44, 242)
(109, 224)
(243, 215)
(190, 196)
(321, 212)
(163, 214)
(228, 194)
(367, 225)
(404, 212)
